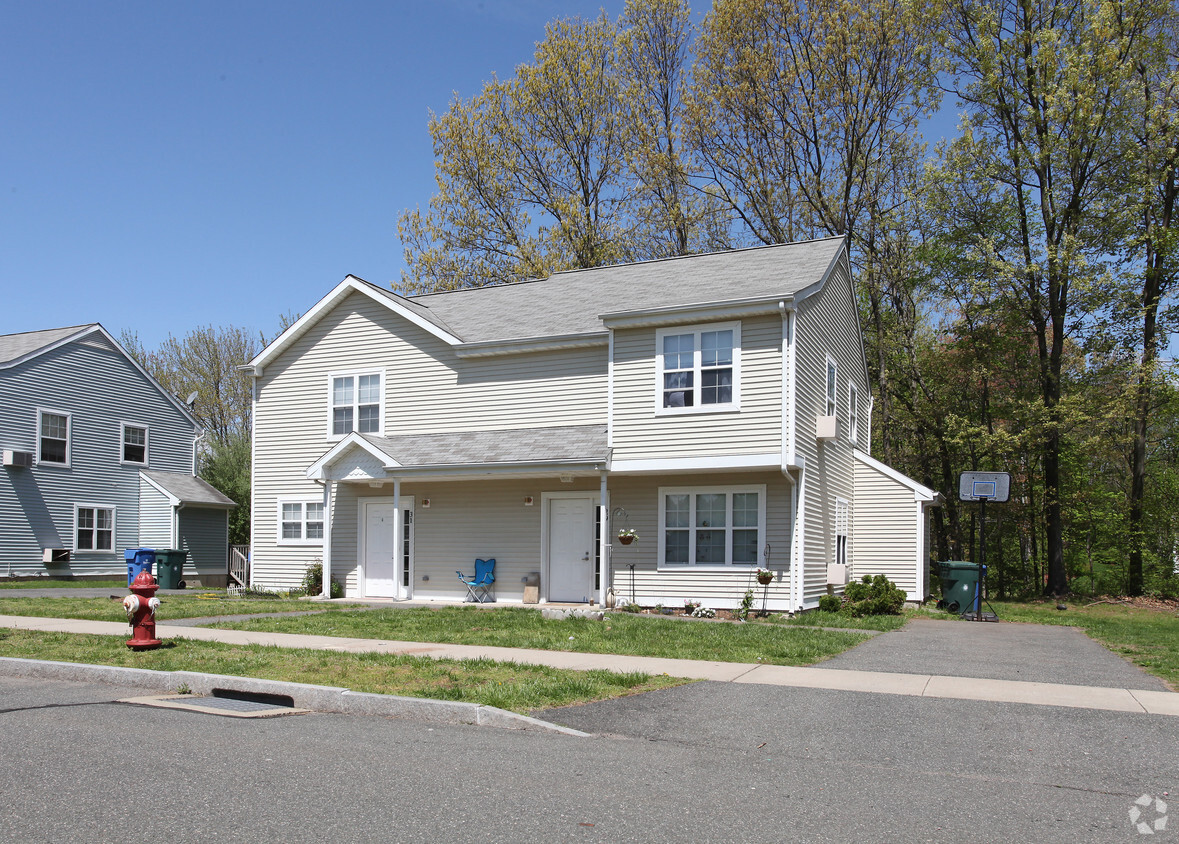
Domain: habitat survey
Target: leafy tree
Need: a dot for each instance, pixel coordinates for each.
(226, 466)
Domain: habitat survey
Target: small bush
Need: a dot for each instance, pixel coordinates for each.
(742, 612)
(830, 603)
(313, 582)
(704, 612)
(873, 596)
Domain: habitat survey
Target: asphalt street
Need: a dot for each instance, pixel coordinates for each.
(703, 762)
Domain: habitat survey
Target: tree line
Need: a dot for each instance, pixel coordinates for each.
(1015, 282)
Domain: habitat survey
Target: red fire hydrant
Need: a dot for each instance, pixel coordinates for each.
(141, 612)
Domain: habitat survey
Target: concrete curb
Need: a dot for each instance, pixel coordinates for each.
(305, 696)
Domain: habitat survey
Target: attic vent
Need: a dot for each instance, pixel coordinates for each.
(18, 459)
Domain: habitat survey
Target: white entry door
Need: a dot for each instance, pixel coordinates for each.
(387, 546)
(571, 549)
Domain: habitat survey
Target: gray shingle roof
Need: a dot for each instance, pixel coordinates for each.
(536, 445)
(572, 302)
(16, 346)
(189, 490)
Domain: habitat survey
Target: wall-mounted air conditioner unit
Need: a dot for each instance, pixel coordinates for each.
(826, 427)
(18, 459)
(837, 574)
(55, 555)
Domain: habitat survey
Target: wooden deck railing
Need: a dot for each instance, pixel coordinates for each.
(239, 564)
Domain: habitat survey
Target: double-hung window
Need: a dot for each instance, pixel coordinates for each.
(95, 528)
(357, 403)
(698, 368)
(53, 438)
(300, 522)
(842, 525)
(711, 526)
(135, 444)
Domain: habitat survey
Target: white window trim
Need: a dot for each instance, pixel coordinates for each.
(354, 373)
(830, 387)
(123, 426)
(730, 407)
(114, 528)
(853, 412)
(279, 539)
(842, 519)
(665, 491)
(41, 411)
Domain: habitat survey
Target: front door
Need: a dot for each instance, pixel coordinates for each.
(388, 547)
(571, 549)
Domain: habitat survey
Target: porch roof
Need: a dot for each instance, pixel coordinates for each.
(187, 490)
(572, 448)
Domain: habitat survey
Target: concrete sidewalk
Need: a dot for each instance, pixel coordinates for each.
(1151, 701)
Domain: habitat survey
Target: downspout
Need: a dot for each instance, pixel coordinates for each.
(793, 464)
(196, 441)
(604, 534)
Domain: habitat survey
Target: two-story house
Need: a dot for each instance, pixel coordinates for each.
(98, 458)
(717, 405)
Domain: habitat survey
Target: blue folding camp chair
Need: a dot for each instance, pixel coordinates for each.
(479, 587)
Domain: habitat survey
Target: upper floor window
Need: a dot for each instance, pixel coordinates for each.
(134, 444)
(53, 437)
(357, 403)
(711, 526)
(698, 367)
(830, 388)
(95, 528)
(853, 412)
(300, 522)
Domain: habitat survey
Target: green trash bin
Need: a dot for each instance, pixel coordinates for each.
(170, 568)
(959, 585)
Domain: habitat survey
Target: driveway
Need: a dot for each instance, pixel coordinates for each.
(1036, 653)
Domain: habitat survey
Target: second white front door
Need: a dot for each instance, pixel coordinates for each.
(571, 549)
(387, 547)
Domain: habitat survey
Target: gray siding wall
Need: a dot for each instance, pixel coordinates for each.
(639, 433)
(427, 389)
(94, 383)
(155, 517)
(204, 534)
(827, 326)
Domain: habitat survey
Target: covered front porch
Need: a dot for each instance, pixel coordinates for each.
(403, 514)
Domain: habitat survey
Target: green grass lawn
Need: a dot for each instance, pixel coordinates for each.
(50, 583)
(171, 606)
(511, 686)
(620, 633)
(1149, 638)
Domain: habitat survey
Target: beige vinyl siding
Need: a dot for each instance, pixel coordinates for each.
(719, 589)
(827, 326)
(427, 389)
(887, 532)
(640, 434)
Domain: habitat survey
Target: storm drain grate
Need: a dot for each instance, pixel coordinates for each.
(240, 705)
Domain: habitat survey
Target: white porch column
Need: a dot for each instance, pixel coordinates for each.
(400, 532)
(604, 534)
(327, 540)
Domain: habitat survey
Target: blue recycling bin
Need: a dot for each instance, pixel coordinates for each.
(138, 559)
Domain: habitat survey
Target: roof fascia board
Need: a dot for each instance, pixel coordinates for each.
(491, 348)
(317, 471)
(686, 313)
(172, 499)
(350, 284)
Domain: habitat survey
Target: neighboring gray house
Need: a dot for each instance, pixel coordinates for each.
(715, 404)
(97, 458)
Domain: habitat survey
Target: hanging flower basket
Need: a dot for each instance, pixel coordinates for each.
(627, 535)
(765, 577)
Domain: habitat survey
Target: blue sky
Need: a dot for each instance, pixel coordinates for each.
(166, 165)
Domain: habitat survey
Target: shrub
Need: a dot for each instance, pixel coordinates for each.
(704, 612)
(830, 603)
(313, 582)
(742, 612)
(873, 596)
